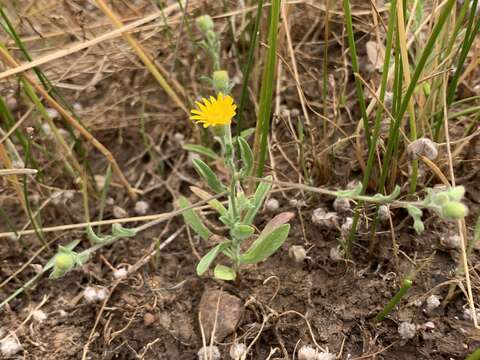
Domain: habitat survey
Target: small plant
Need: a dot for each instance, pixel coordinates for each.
(241, 210)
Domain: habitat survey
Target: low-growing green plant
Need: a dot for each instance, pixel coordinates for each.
(241, 210)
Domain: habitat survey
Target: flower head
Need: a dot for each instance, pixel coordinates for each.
(213, 112)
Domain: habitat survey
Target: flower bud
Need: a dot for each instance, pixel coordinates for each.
(204, 23)
(454, 210)
(64, 261)
(456, 193)
(221, 81)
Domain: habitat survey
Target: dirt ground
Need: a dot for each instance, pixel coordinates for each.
(154, 312)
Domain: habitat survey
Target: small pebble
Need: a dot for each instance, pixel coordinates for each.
(451, 241)
(383, 213)
(39, 316)
(92, 294)
(10, 346)
(433, 302)
(422, 147)
(148, 319)
(208, 353)
(297, 253)
(52, 113)
(429, 325)
(467, 314)
(141, 207)
(336, 254)
(297, 203)
(192, 156)
(325, 219)
(100, 181)
(119, 213)
(407, 330)
(341, 204)
(272, 205)
(179, 138)
(347, 225)
(307, 352)
(237, 350)
(120, 273)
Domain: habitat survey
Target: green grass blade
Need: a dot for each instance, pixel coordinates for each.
(266, 91)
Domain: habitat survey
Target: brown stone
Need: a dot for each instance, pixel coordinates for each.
(228, 312)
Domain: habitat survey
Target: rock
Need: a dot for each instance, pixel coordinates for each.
(297, 253)
(407, 330)
(149, 319)
(229, 312)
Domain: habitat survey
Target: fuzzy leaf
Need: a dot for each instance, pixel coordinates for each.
(208, 258)
(278, 220)
(121, 232)
(387, 198)
(223, 272)
(214, 204)
(265, 245)
(209, 176)
(94, 238)
(242, 232)
(247, 157)
(260, 194)
(193, 220)
(348, 194)
(202, 150)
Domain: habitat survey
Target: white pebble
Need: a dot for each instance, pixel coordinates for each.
(383, 213)
(179, 138)
(47, 130)
(18, 164)
(433, 302)
(325, 219)
(297, 253)
(101, 294)
(297, 203)
(467, 314)
(237, 350)
(52, 113)
(336, 254)
(341, 204)
(119, 213)
(407, 330)
(208, 353)
(272, 205)
(10, 346)
(90, 294)
(347, 225)
(451, 241)
(120, 273)
(39, 316)
(100, 181)
(141, 207)
(422, 147)
(307, 352)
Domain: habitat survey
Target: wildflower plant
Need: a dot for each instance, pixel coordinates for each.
(239, 215)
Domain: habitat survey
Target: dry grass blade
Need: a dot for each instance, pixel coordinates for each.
(9, 172)
(144, 57)
(73, 122)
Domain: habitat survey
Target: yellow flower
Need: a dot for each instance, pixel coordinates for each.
(213, 112)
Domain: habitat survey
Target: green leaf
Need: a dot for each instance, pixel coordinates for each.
(247, 157)
(247, 133)
(193, 220)
(349, 194)
(476, 233)
(388, 198)
(214, 204)
(265, 245)
(260, 194)
(94, 238)
(120, 232)
(416, 215)
(208, 258)
(209, 176)
(242, 232)
(223, 272)
(202, 150)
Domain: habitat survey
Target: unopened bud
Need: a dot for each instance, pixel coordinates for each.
(204, 23)
(64, 261)
(221, 81)
(454, 210)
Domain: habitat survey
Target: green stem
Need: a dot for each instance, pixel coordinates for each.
(406, 285)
